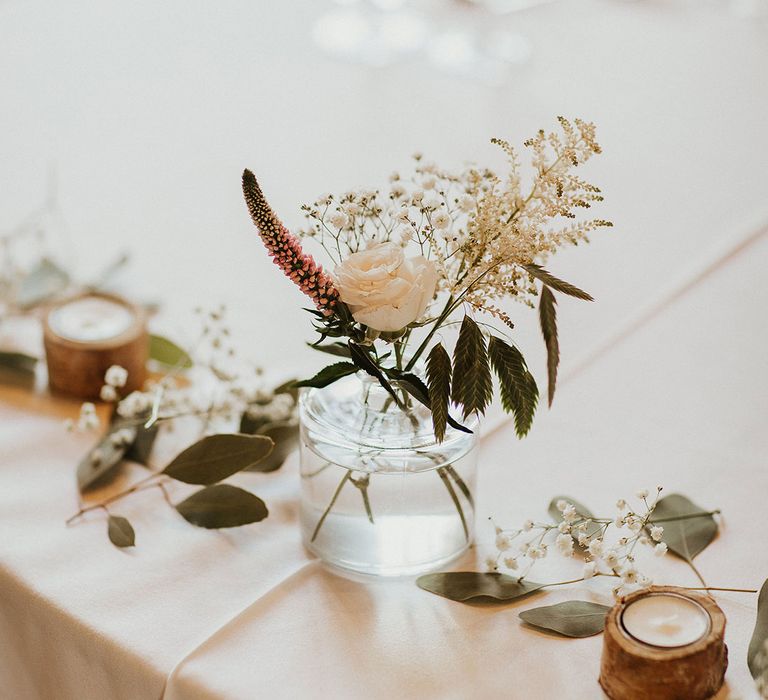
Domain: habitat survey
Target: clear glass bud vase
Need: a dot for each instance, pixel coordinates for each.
(379, 494)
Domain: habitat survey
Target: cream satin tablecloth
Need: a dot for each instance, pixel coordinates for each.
(192, 614)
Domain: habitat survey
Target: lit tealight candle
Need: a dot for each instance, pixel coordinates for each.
(665, 620)
(91, 318)
(86, 335)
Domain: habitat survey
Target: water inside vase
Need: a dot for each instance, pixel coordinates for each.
(379, 494)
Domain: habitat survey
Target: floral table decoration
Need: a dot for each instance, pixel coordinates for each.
(389, 429)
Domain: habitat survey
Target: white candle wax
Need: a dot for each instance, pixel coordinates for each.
(665, 620)
(90, 319)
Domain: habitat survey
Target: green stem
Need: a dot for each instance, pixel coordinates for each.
(696, 571)
(460, 483)
(336, 493)
(362, 484)
(443, 315)
(449, 486)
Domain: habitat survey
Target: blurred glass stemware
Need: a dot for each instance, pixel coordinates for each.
(373, 32)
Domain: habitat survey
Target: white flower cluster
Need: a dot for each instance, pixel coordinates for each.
(224, 388)
(477, 227)
(86, 421)
(115, 378)
(608, 544)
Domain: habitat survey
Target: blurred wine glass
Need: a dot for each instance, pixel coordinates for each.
(373, 32)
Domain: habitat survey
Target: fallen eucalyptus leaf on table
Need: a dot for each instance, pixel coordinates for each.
(757, 654)
(17, 362)
(120, 532)
(100, 462)
(217, 457)
(167, 353)
(684, 537)
(463, 586)
(222, 506)
(573, 618)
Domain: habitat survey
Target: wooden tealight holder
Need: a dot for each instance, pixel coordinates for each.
(87, 334)
(637, 670)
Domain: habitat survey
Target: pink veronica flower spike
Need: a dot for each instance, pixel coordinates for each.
(286, 251)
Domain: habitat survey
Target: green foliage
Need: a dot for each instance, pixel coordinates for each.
(217, 457)
(557, 284)
(519, 393)
(222, 506)
(100, 463)
(285, 436)
(572, 618)
(120, 532)
(362, 358)
(18, 362)
(548, 321)
(463, 586)
(141, 448)
(167, 353)
(685, 537)
(472, 384)
(439, 382)
(328, 375)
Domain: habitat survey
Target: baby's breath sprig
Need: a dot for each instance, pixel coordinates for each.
(607, 544)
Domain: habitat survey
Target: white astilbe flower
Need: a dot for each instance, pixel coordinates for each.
(498, 223)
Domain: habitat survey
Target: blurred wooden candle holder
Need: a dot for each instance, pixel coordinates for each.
(664, 643)
(87, 334)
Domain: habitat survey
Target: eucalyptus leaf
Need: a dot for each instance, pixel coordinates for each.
(757, 655)
(120, 532)
(222, 506)
(218, 456)
(592, 529)
(43, 282)
(685, 537)
(100, 463)
(573, 618)
(463, 586)
(18, 362)
(285, 435)
(167, 353)
(328, 375)
(141, 448)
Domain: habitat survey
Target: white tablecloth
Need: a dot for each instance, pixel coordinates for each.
(193, 614)
(149, 111)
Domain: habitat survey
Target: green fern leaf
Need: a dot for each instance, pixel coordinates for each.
(472, 382)
(519, 393)
(548, 320)
(439, 382)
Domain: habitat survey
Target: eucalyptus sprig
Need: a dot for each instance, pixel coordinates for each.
(206, 463)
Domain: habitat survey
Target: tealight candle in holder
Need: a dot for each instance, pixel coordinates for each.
(86, 335)
(664, 643)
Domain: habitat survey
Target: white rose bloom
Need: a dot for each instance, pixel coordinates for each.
(385, 290)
